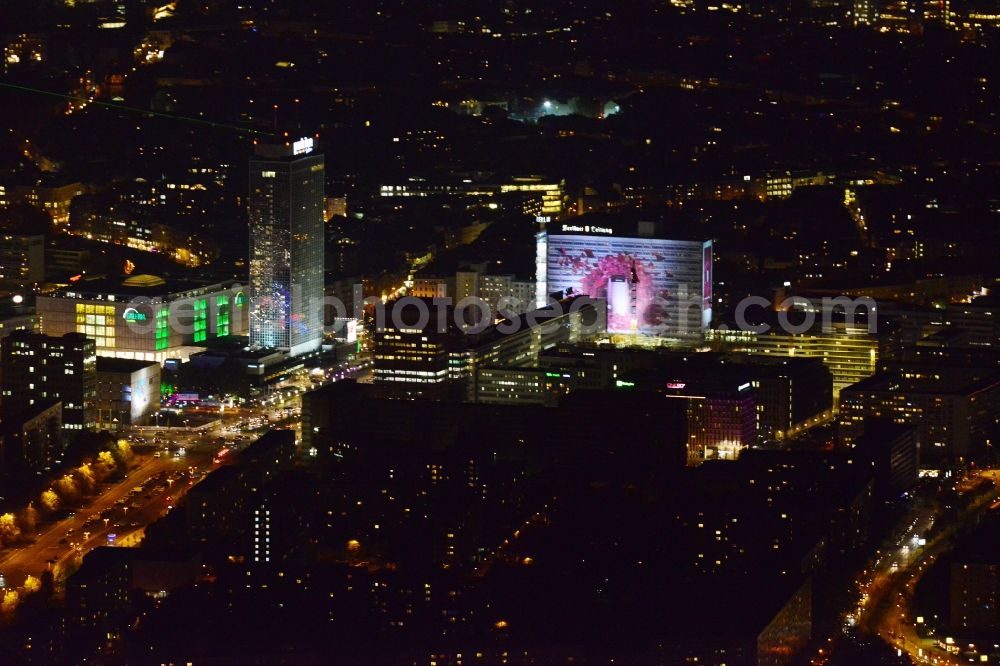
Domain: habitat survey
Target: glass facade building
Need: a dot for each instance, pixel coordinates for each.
(286, 247)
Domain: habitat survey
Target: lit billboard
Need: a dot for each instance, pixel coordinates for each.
(653, 286)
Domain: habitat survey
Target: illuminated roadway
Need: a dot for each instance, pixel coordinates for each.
(886, 587)
(56, 544)
(889, 614)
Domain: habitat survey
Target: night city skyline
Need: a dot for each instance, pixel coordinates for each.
(499, 332)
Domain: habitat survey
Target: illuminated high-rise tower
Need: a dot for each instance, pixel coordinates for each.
(286, 246)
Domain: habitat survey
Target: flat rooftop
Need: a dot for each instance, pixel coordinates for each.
(218, 480)
(150, 286)
(928, 383)
(621, 225)
(121, 365)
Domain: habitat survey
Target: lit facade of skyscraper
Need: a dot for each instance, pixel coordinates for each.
(286, 246)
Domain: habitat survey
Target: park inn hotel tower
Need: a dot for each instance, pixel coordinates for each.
(286, 246)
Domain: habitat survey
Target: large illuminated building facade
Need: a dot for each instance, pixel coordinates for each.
(655, 287)
(286, 209)
(145, 318)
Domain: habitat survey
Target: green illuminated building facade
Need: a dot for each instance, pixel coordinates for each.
(146, 318)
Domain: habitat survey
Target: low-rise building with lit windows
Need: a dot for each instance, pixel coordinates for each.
(144, 317)
(516, 386)
(49, 193)
(18, 322)
(506, 292)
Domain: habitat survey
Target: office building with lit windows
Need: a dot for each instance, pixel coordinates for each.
(956, 412)
(412, 362)
(39, 369)
(499, 292)
(144, 317)
(850, 352)
(865, 12)
(261, 532)
(537, 196)
(974, 581)
(18, 322)
(516, 386)
(32, 438)
(894, 451)
(286, 208)
(22, 259)
(790, 394)
(561, 370)
(721, 413)
(425, 361)
(720, 425)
